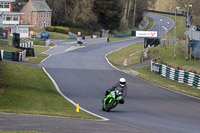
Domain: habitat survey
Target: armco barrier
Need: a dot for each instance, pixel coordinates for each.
(29, 51)
(92, 41)
(22, 55)
(180, 76)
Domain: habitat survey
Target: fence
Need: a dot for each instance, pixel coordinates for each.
(26, 44)
(47, 42)
(129, 35)
(180, 76)
(169, 13)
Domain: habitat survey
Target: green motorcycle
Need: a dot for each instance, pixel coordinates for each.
(112, 100)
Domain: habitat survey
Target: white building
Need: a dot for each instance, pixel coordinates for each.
(12, 20)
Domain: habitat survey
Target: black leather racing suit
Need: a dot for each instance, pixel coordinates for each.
(123, 91)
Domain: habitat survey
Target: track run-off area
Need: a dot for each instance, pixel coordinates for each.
(83, 75)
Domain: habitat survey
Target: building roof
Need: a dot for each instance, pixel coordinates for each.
(13, 13)
(41, 6)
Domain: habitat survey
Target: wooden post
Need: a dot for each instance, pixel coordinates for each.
(0, 56)
(199, 53)
(168, 42)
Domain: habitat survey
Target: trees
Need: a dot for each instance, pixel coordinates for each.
(108, 13)
(133, 11)
(97, 14)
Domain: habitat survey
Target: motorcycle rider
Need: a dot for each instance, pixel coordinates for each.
(122, 85)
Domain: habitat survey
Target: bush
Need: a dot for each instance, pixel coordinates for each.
(59, 29)
(83, 31)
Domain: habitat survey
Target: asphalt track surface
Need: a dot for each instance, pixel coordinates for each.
(83, 75)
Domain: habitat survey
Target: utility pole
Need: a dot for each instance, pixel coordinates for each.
(134, 13)
(187, 36)
(175, 33)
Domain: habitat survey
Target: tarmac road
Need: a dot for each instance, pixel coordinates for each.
(83, 75)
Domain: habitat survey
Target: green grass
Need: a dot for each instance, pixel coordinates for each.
(28, 90)
(8, 48)
(151, 23)
(127, 56)
(53, 35)
(7, 45)
(38, 54)
(167, 57)
(146, 74)
(38, 42)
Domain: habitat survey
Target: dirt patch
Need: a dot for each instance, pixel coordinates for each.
(182, 37)
(125, 62)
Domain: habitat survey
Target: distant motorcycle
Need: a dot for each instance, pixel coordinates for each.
(112, 100)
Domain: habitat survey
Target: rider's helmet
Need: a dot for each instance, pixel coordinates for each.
(122, 82)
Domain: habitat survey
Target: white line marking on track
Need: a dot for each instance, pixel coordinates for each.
(72, 102)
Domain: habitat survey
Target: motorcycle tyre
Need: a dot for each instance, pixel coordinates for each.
(110, 106)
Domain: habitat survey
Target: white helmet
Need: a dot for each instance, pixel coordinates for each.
(122, 82)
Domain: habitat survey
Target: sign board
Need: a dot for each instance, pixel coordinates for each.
(155, 68)
(151, 42)
(146, 34)
(3, 34)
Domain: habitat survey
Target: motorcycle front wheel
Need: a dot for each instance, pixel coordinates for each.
(110, 105)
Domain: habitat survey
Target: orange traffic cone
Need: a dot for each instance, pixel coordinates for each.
(77, 108)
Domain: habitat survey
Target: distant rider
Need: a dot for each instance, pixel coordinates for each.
(120, 84)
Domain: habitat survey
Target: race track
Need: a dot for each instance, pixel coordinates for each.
(83, 75)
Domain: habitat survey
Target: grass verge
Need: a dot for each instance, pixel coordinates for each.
(20, 132)
(53, 35)
(28, 90)
(151, 23)
(180, 25)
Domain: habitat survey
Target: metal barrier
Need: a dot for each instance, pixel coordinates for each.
(194, 35)
(26, 44)
(169, 13)
(180, 76)
(22, 55)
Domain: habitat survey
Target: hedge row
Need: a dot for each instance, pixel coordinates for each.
(59, 29)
